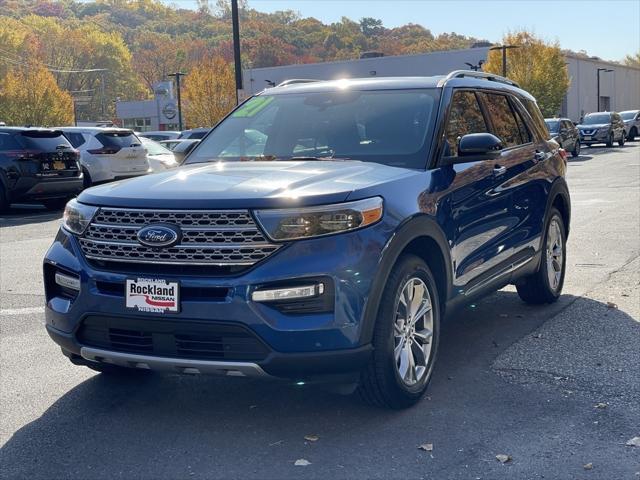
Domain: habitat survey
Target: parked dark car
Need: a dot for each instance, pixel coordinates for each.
(631, 119)
(180, 147)
(321, 231)
(564, 132)
(602, 127)
(37, 165)
(194, 133)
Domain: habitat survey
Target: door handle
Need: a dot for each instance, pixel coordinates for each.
(499, 170)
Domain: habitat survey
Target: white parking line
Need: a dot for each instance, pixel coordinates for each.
(21, 311)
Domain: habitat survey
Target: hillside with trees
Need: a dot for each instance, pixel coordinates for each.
(116, 49)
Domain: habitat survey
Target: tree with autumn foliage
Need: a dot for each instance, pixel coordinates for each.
(539, 67)
(31, 96)
(209, 92)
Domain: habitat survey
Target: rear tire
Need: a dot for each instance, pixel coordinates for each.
(576, 149)
(86, 179)
(4, 201)
(54, 204)
(632, 134)
(545, 285)
(405, 349)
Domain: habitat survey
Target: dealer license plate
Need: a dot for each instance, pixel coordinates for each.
(152, 295)
(587, 137)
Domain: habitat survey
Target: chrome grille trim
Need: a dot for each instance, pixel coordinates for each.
(209, 237)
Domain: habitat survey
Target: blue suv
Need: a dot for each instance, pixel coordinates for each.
(321, 231)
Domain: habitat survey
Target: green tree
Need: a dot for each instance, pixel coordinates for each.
(539, 67)
(30, 96)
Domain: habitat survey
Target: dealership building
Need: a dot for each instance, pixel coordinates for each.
(619, 84)
(160, 113)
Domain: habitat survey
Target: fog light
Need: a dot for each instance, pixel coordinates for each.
(67, 281)
(291, 293)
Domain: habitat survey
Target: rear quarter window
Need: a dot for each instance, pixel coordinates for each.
(8, 142)
(536, 117)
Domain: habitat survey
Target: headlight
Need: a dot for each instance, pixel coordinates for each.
(299, 223)
(77, 216)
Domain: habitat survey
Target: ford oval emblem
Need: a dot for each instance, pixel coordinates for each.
(159, 235)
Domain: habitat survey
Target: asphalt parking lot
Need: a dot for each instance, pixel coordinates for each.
(555, 388)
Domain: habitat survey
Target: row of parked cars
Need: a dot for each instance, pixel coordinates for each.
(597, 127)
(53, 165)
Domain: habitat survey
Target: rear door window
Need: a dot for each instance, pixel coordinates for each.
(503, 119)
(118, 139)
(465, 117)
(45, 141)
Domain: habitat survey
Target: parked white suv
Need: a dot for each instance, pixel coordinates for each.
(107, 154)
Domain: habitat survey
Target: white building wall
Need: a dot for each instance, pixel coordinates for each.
(622, 85)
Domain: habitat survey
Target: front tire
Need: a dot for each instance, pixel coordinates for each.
(405, 338)
(576, 149)
(610, 140)
(632, 134)
(622, 139)
(4, 200)
(545, 285)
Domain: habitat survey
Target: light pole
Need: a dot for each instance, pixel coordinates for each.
(178, 75)
(473, 67)
(236, 46)
(607, 70)
(504, 49)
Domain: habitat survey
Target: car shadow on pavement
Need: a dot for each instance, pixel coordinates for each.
(161, 426)
(579, 158)
(27, 214)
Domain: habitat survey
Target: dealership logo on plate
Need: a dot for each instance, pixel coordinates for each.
(152, 295)
(158, 236)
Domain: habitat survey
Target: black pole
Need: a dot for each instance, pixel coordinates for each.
(504, 61)
(179, 102)
(598, 91)
(178, 75)
(236, 46)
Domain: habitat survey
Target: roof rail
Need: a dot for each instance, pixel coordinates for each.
(484, 75)
(293, 81)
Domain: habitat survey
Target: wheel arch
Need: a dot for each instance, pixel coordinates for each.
(420, 236)
(559, 198)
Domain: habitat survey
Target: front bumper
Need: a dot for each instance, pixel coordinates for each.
(298, 345)
(599, 136)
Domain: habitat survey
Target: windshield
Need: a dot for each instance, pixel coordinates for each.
(628, 115)
(384, 126)
(597, 118)
(552, 125)
(154, 148)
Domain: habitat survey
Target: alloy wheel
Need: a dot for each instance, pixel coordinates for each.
(413, 331)
(555, 253)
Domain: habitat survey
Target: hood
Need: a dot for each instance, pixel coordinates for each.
(244, 185)
(594, 126)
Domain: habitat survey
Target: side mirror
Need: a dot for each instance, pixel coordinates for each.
(479, 144)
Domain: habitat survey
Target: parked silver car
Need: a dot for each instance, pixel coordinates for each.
(631, 120)
(159, 157)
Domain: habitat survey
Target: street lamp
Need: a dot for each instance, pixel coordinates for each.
(606, 70)
(504, 49)
(474, 67)
(178, 75)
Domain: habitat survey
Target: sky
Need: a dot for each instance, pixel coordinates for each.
(609, 29)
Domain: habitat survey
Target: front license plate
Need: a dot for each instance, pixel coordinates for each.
(587, 137)
(153, 295)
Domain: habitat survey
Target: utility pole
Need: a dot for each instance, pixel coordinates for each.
(504, 49)
(236, 47)
(178, 75)
(102, 99)
(606, 70)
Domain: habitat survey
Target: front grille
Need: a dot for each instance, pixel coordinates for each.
(221, 237)
(171, 338)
